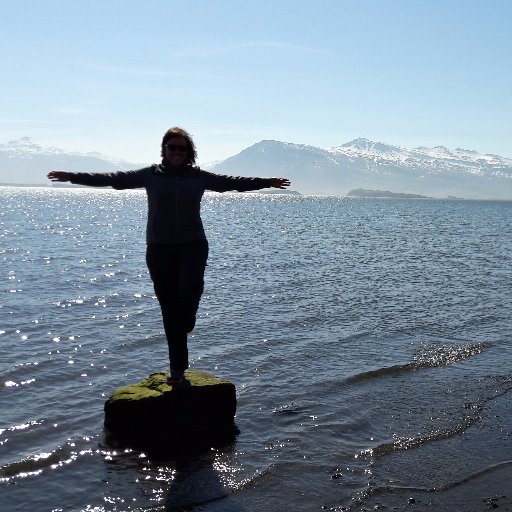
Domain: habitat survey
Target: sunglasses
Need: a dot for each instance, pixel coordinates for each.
(176, 147)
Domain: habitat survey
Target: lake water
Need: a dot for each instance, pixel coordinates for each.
(368, 339)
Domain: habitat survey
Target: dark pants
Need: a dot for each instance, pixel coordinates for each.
(177, 271)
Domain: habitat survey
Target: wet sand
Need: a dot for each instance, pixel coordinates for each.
(489, 491)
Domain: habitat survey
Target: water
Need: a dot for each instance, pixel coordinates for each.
(368, 341)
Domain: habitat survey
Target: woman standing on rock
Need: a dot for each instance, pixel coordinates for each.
(177, 248)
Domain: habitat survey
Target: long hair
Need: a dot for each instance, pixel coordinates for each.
(176, 131)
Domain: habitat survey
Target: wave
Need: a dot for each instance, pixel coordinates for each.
(38, 462)
(34, 464)
(407, 443)
(474, 476)
(408, 490)
(432, 358)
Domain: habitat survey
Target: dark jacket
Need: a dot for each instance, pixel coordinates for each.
(174, 197)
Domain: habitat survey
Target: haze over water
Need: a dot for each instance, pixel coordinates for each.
(368, 341)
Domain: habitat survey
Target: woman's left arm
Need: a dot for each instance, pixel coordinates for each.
(220, 183)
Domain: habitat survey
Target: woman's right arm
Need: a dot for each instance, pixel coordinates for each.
(117, 180)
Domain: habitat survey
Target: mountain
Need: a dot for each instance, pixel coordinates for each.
(24, 162)
(361, 192)
(361, 163)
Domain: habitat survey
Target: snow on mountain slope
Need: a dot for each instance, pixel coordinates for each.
(433, 160)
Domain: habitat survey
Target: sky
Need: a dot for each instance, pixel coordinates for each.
(112, 76)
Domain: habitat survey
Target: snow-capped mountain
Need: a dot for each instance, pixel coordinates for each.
(362, 163)
(436, 160)
(23, 161)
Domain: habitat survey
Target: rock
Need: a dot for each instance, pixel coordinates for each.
(198, 413)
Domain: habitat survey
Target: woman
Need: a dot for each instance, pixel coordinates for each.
(177, 248)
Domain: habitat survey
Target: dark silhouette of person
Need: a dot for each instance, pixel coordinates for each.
(177, 248)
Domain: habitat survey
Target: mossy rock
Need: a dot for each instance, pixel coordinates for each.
(152, 414)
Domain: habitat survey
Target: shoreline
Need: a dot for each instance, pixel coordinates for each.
(486, 488)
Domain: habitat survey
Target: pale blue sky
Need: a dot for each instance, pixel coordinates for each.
(112, 75)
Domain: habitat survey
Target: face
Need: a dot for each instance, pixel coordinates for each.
(176, 151)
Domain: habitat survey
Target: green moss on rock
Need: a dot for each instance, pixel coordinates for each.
(155, 385)
(152, 412)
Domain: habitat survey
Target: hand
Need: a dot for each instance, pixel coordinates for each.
(280, 183)
(58, 176)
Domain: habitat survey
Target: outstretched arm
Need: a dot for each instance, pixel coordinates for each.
(280, 182)
(221, 183)
(117, 180)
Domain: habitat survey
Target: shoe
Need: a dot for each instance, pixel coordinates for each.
(174, 378)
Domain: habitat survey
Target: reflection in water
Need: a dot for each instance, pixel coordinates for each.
(195, 482)
(202, 480)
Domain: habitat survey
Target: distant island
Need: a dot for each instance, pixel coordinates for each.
(361, 192)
